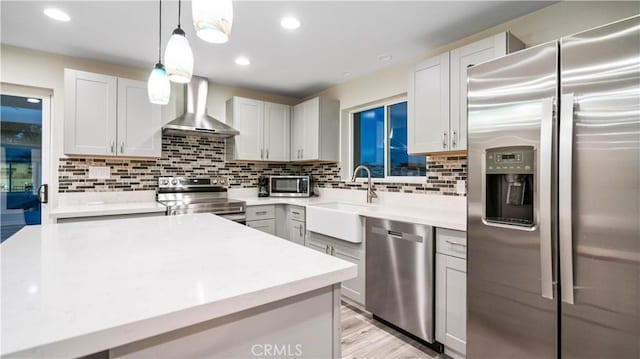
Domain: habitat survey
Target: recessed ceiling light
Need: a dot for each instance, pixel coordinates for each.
(346, 74)
(290, 23)
(33, 100)
(385, 58)
(57, 14)
(243, 61)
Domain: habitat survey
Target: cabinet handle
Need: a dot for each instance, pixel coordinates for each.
(456, 244)
(453, 139)
(326, 249)
(333, 250)
(296, 213)
(267, 151)
(298, 154)
(301, 230)
(261, 154)
(444, 139)
(122, 147)
(113, 146)
(261, 212)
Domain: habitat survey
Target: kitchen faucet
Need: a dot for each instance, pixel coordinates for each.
(371, 194)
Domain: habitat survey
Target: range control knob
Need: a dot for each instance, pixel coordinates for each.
(214, 181)
(174, 182)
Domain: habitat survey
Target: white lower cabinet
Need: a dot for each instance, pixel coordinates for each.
(353, 289)
(451, 291)
(262, 218)
(296, 231)
(265, 225)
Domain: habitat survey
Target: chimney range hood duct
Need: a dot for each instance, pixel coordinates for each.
(195, 121)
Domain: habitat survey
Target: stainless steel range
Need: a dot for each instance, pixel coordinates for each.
(184, 195)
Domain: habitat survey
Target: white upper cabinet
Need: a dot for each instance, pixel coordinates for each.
(461, 59)
(139, 121)
(247, 116)
(297, 132)
(264, 130)
(109, 116)
(90, 113)
(315, 130)
(437, 94)
(277, 123)
(428, 106)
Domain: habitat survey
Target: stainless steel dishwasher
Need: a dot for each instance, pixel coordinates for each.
(400, 267)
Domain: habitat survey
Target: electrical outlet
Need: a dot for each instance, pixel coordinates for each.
(461, 187)
(102, 172)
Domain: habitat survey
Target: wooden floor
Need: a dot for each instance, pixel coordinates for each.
(363, 337)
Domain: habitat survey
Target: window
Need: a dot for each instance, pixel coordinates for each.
(380, 143)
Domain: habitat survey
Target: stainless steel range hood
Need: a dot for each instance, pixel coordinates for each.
(195, 120)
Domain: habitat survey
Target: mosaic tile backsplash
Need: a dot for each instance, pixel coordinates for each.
(201, 156)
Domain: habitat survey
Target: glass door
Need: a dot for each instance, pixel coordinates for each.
(24, 137)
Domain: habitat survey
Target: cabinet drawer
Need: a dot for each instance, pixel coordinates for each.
(266, 225)
(256, 213)
(296, 213)
(452, 243)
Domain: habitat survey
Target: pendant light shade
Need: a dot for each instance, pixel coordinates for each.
(158, 86)
(178, 58)
(212, 19)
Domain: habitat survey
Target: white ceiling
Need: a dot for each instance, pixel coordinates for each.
(335, 37)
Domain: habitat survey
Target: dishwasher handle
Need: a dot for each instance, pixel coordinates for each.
(388, 233)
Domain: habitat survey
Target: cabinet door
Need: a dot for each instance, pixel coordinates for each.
(317, 244)
(266, 225)
(428, 106)
(451, 302)
(276, 131)
(139, 121)
(311, 134)
(461, 59)
(353, 289)
(297, 132)
(248, 118)
(89, 113)
(296, 231)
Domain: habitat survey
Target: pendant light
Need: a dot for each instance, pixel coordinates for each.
(158, 86)
(178, 56)
(212, 19)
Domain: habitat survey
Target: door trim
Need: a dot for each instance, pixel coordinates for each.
(47, 148)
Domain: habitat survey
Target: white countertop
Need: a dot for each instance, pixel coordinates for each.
(451, 216)
(78, 288)
(94, 204)
(106, 209)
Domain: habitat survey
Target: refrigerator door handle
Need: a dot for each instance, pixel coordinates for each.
(544, 178)
(565, 209)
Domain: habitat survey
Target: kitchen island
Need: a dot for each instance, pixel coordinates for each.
(177, 286)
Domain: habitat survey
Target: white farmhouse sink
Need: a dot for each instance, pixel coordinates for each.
(335, 219)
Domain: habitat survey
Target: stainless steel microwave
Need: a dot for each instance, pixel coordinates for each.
(289, 186)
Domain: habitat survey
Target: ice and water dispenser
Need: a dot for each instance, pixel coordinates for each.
(509, 186)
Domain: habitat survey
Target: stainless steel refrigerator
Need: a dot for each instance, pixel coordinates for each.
(554, 199)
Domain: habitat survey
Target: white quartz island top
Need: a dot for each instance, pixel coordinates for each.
(74, 289)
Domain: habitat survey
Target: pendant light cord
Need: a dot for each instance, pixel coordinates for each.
(160, 35)
(179, 12)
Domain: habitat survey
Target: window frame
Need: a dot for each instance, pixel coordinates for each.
(385, 104)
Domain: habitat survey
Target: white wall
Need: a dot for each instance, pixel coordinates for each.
(25, 67)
